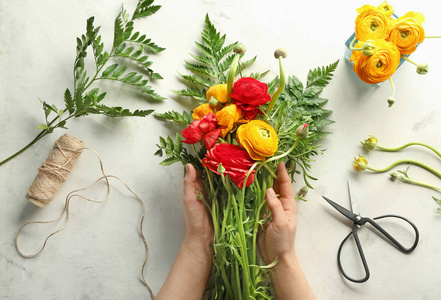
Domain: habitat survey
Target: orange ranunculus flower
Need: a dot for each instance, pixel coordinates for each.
(219, 92)
(406, 32)
(371, 23)
(228, 117)
(378, 67)
(258, 138)
(202, 110)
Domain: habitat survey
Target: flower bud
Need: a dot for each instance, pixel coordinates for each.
(386, 8)
(370, 143)
(240, 48)
(302, 131)
(422, 68)
(290, 165)
(368, 48)
(221, 169)
(280, 52)
(303, 191)
(394, 175)
(391, 101)
(360, 163)
(213, 102)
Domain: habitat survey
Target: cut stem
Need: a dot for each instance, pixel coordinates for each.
(407, 161)
(408, 145)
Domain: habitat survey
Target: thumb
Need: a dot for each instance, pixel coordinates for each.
(274, 204)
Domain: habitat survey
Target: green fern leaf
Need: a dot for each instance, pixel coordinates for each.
(321, 76)
(185, 118)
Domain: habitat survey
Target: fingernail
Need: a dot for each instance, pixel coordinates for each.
(271, 193)
(187, 168)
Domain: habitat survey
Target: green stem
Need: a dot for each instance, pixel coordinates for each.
(42, 134)
(411, 181)
(242, 238)
(409, 60)
(407, 161)
(433, 37)
(279, 156)
(407, 145)
(393, 86)
(351, 45)
(231, 75)
(281, 86)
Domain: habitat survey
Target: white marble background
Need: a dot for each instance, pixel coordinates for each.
(99, 255)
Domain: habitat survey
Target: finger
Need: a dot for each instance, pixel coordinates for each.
(285, 188)
(190, 184)
(276, 207)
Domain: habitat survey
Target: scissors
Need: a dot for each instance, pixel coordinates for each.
(359, 221)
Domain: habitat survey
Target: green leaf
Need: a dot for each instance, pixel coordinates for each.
(69, 101)
(109, 70)
(118, 36)
(144, 9)
(321, 76)
(184, 118)
(42, 127)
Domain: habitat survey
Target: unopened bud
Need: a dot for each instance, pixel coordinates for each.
(280, 52)
(370, 143)
(360, 163)
(422, 69)
(213, 102)
(303, 130)
(393, 176)
(240, 48)
(303, 191)
(391, 101)
(221, 169)
(368, 48)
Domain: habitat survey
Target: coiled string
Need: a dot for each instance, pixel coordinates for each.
(73, 194)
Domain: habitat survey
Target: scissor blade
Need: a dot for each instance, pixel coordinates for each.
(354, 204)
(345, 212)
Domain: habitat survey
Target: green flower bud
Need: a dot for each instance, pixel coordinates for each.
(422, 68)
(290, 165)
(370, 143)
(368, 48)
(391, 101)
(394, 175)
(240, 48)
(280, 52)
(213, 102)
(221, 169)
(303, 191)
(303, 130)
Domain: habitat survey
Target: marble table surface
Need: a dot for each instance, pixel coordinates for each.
(99, 255)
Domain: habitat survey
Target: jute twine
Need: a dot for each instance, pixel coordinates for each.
(68, 147)
(54, 170)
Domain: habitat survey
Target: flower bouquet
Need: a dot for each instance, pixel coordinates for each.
(239, 132)
(383, 41)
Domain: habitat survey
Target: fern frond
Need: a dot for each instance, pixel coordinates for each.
(321, 76)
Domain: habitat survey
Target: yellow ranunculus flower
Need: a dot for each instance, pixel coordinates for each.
(371, 23)
(379, 66)
(407, 32)
(228, 117)
(200, 111)
(386, 8)
(219, 92)
(258, 138)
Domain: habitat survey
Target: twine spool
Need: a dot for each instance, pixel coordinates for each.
(54, 170)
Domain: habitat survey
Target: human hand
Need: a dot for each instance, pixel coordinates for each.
(277, 239)
(198, 223)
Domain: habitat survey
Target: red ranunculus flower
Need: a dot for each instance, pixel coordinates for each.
(249, 93)
(204, 129)
(236, 161)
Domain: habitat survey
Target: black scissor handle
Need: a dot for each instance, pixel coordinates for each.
(391, 238)
(360, 251)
